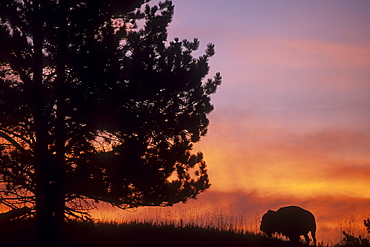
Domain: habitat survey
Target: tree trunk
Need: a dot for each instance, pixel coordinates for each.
(60, 130)
(45, 230)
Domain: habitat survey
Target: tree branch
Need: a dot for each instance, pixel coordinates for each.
(11, 140)
(18, 136)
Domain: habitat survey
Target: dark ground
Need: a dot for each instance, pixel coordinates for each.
(21, 233)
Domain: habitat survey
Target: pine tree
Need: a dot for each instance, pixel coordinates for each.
(93, 108)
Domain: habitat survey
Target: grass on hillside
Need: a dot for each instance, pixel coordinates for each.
(142, 233)
(138, 234)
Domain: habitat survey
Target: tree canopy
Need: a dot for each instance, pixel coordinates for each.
(94, 108)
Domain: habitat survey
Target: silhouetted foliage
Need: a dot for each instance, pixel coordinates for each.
(93, 108)
(352, 241)
(367, 224)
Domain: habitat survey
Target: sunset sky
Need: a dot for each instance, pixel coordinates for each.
(291, 123)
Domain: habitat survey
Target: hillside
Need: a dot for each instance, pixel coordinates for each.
(137, 234)
(142, 234)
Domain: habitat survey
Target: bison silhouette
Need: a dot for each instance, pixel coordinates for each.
(291, 222)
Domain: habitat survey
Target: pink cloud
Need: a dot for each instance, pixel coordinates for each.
(277, 62)
(308, 54)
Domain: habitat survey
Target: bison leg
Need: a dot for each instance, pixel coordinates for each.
(307, 238)
(313, 234)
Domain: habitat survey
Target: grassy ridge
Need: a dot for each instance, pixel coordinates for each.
(140, 234)
(147, 234)
(137, 234)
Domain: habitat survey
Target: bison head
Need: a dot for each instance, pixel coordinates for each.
(268, 223)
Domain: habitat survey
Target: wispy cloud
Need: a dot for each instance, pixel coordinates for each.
(303, 53)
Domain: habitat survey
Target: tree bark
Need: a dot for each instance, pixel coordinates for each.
(60, 130)
(44, 209)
